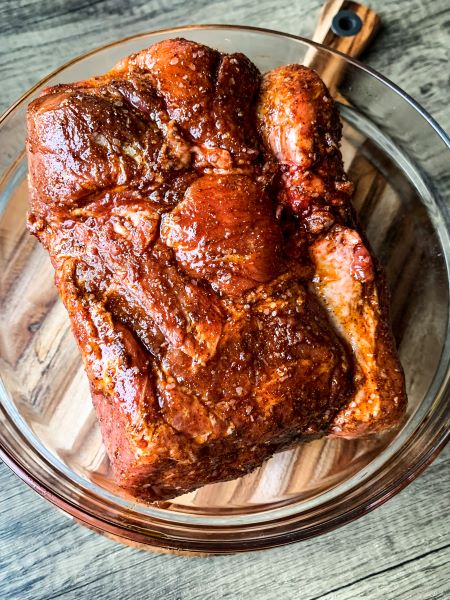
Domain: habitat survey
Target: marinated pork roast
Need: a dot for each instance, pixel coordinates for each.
(224, 300)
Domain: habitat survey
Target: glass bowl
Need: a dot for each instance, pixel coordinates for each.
(398, 158)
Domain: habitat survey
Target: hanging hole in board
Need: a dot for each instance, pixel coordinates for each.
(346, 23)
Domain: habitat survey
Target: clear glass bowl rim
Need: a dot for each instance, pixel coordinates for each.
(118, 529)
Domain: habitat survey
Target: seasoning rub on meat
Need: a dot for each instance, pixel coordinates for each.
(224, 300)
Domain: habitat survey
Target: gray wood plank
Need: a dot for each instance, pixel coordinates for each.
(402, 550)
(401, 547)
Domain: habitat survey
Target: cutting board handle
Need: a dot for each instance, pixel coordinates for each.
(346, 26)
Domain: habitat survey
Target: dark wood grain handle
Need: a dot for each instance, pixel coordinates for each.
(345, 26)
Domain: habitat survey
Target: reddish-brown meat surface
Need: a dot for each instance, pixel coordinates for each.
(199, 221)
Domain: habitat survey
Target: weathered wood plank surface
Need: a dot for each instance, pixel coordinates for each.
(402, 550)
